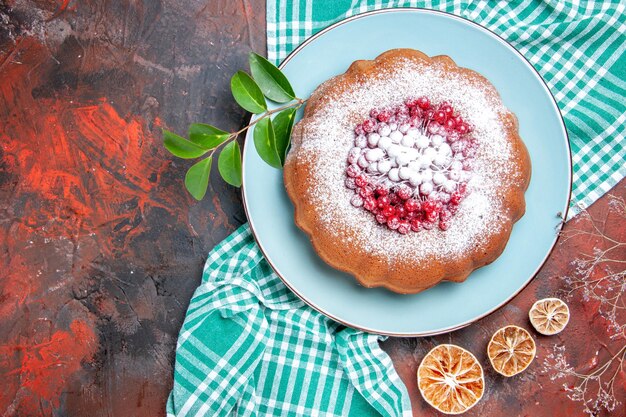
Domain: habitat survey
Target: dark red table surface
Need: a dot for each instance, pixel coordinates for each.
(101, 247)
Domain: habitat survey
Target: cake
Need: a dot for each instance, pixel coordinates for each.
(407, 170)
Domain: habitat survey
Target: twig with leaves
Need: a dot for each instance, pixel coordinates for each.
(600, 277)
(271, 136)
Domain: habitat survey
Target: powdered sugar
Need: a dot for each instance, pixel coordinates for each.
(329, 137)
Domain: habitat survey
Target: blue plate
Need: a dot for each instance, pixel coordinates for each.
(446, 306)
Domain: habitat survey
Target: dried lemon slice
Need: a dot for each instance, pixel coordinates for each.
(450, 379)
(510, 350)
(549, 316)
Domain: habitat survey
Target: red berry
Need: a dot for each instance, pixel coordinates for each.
(415, 121)
(369, 203)
(353, 171)
(382, 201)
(404, 193)
(432, 216)
(450, 124)
(444, 225)
(423, 103)
(440, 117)
(401, 211)
(438, 207)
(404, 228)
(416, 225)
(430, 114)
(393, 198)
(428, 206)
(412, 205)
(384, 116)
(447, 109)
(380, 218)
(458, 120)
(463, 188)
(456, 197)
(389, 211)
(445, 215)
(365, 191)
(359, 130)
(381, 191)
(393, 222)
(361, 181)
(412, 102)
(374, 113)
(369, 125)
(461, 128)
(428, 225)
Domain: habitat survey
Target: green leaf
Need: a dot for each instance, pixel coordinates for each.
(283, 124)
(229, 164)
(272, 81)
(247, 93)
(181, 147)
(265, 142)
(207, 136)
(197, 178)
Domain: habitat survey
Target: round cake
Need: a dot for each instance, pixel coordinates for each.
(406, 171)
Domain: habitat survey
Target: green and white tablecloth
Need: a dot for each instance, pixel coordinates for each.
(578, 47)
(249, 347)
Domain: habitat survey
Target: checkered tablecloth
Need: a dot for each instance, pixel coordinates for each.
(578, 47)
(250, 347)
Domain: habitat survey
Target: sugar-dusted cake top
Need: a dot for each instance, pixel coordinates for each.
(407, 170)
(432, 161)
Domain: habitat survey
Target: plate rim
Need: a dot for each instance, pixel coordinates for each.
(558, 229)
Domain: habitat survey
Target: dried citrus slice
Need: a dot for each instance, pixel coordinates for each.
(549, 316)
(450, 379)
(510, 350)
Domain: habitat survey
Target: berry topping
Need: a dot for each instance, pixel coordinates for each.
(382, 201)
(393, 222)
(423, 103)
(412, 205)
(440, 117)
(369, 125)
(404, 228)
(361, 181)
(410, 165)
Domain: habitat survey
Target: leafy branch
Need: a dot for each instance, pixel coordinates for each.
(271, 135)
